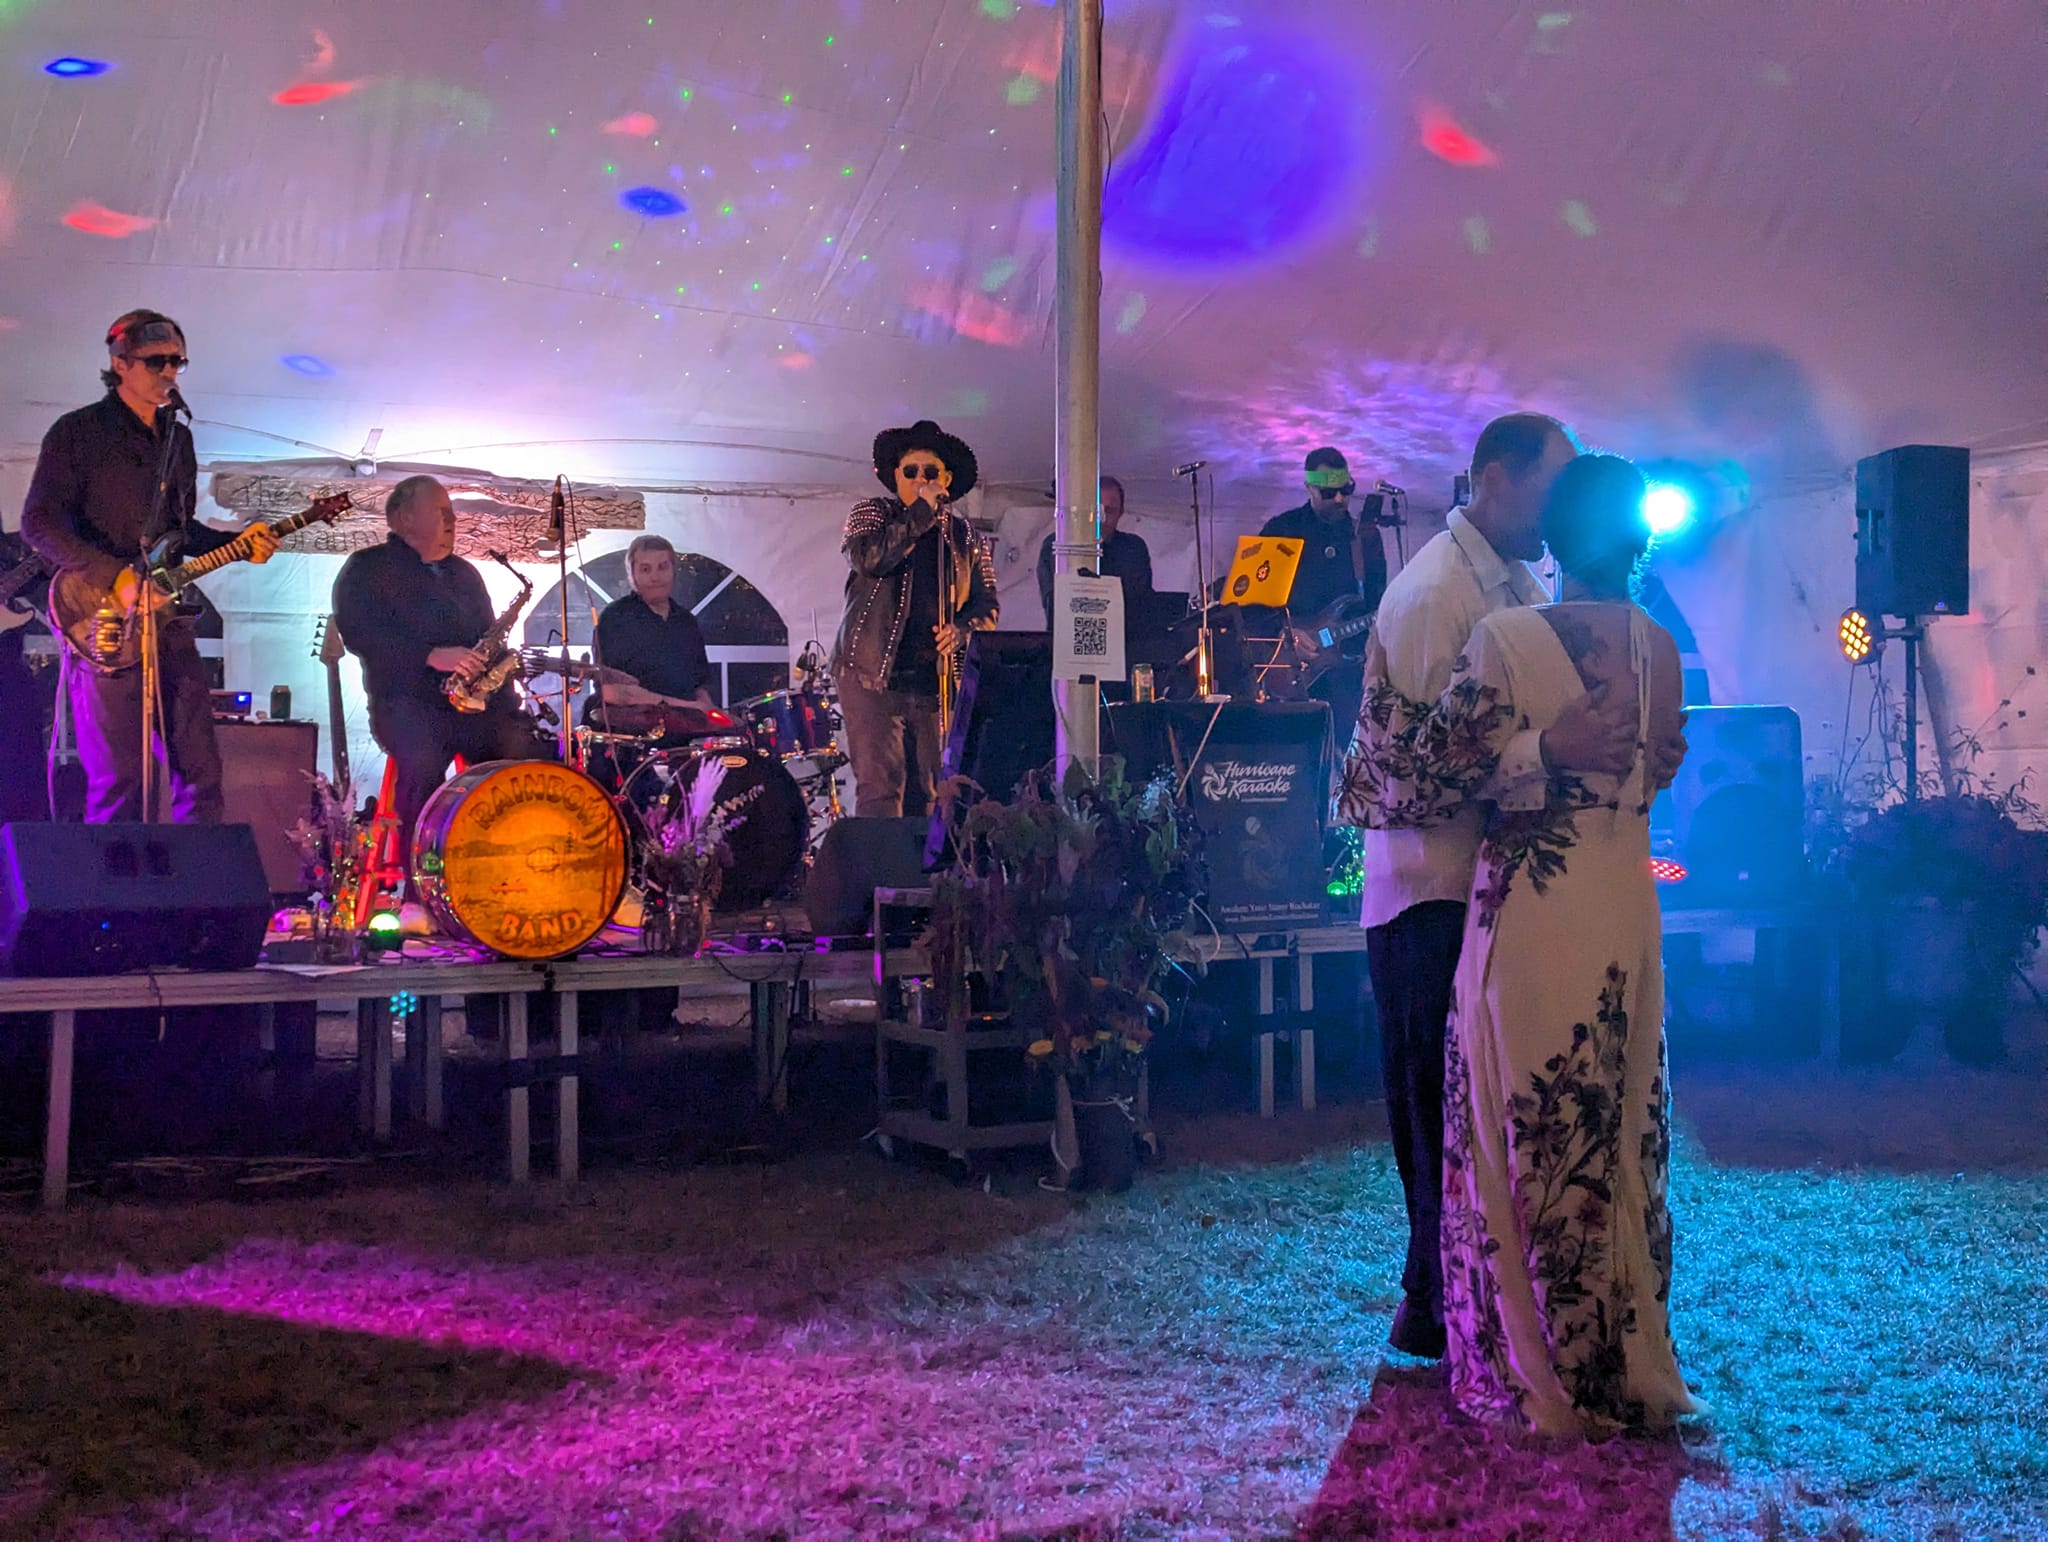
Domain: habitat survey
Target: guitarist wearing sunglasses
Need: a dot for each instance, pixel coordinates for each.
(89, 513)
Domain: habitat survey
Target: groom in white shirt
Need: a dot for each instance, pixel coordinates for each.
(1417, 881)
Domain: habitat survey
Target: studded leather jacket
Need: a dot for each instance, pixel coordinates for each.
(880, 533)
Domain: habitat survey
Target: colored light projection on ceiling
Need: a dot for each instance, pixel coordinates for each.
(96, 219)
(70, 68)
(1254, 140)
(1448, 140)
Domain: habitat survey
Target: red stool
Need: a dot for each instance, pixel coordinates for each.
(382, 876)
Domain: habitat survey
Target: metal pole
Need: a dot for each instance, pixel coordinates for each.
(1912, 637)
(1077, 463)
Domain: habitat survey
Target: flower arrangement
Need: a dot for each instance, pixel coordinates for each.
(686, 856)
(329, 840)
(1070, 896)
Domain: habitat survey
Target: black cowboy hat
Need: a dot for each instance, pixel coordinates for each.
(892, 444)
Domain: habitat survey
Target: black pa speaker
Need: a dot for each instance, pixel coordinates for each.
(267, 784)
(1736, 814)
(110, 899)
(857, 857)
(1913, 532)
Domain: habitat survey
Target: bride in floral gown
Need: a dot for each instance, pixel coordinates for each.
(1556, 1235)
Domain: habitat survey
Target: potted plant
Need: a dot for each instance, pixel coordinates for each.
(685, 859)
(1958, 879)
(1068, 899)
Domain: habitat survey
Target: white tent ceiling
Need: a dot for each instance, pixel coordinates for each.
(1785, 234)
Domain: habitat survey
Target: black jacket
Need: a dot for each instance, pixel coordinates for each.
(880, 533)
(87, 509)
(393, 610)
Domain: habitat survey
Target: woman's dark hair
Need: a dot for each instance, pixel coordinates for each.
(1594, 526)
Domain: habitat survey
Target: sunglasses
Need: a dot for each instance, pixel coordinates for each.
(1337, 492)
(157, 363)
(913, 473)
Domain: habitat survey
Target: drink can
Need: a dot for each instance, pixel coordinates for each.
(1141, 683)
(280, 703)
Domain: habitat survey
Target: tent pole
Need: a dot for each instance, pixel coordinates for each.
(1077, 530)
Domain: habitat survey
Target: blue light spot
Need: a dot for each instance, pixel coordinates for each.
(71, 68)
(1255, 144)
(657, 203)
(1668, 508)
(306, 364)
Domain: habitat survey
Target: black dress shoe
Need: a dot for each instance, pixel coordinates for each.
(1415, 1332)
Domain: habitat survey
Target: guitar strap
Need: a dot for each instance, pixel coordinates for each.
(1359, 526)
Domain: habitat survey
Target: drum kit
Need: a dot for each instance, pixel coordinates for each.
(533, 859)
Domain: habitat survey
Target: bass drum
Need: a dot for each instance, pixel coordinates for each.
(771, 821)
(524, 857)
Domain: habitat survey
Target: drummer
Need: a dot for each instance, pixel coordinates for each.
(647, 635)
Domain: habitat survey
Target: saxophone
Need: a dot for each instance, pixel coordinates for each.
(502, 662)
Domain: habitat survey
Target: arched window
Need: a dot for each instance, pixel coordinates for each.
(746, 638)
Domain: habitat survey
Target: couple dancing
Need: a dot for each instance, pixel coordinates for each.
(1502, 765)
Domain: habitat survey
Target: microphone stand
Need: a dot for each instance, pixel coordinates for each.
(558, 533)
(145, 600)
(1205, 639)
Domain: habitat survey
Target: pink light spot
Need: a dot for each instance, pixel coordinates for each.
(1447, 140)
(640, 125)
(6, 211)
(323, 54)
(796, 361)
(96, 219)
(9, 324)
(309, 92)
(973, 316)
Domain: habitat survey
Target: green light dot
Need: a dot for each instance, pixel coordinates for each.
(1022, 91)
(609, 168)
(830, 41)
(846, 171)
(551, 128)
(617, 244)
(788, 97)
(828, 240)
(725, 208)
(756, 286)
(684, 94)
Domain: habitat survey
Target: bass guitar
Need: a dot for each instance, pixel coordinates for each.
(1319, 641)
(107, 636)
(328, 648)
(16, 609)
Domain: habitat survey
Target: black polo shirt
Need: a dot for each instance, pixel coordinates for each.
(393, 610)
(1124, 556)
(664, 653)
(87, 509)
(1328, 560)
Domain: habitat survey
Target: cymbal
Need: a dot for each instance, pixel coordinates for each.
(539, 661)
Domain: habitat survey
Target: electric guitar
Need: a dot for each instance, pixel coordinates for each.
(107, 636)
(327, 648)
(15, 609)
(1319, 641)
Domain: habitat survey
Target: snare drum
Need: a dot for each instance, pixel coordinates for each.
(526, 857)
(790, 725)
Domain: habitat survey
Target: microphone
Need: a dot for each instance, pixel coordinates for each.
(556, 541)
(178, 402)
(1193, 465)
(1390, 489)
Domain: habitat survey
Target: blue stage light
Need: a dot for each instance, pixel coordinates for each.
(69, 68)
(656, 203)
(1668, 508)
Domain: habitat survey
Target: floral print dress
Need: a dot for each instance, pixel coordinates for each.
(1556, 1235)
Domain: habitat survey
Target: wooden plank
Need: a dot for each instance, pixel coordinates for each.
(518, 1138)
(568, 1147)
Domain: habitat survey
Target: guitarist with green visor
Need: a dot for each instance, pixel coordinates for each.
(112, 482)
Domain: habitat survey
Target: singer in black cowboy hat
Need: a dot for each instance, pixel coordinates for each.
(891, 639)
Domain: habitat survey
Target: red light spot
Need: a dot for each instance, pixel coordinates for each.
(1443, 137)
(795, 361)
(307, 93)
(640, 125)
(973, 316)
(96, 219)
(1664, 870)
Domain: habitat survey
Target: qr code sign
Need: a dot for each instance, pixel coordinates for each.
(1091, 637)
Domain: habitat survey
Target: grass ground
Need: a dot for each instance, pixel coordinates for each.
(834, 1346)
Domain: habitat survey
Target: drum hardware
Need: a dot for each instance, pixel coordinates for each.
(768, 838)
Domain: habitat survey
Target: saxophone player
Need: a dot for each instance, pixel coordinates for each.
(899, 631)
(414, 612)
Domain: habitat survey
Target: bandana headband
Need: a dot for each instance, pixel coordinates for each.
(1329, 476)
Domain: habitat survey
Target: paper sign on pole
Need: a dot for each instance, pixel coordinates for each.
(1087, 627)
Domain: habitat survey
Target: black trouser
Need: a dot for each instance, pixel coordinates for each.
(24, 781)
(106, 714)
(424, 737)
(892, 738)
(1413, 960)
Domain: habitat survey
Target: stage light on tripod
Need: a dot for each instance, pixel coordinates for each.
(1857, 637)
(1668, 508)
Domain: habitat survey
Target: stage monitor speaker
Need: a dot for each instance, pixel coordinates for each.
(1002, 722)
(110, 899)
(267, 779)
(1913, 532)
(1736, 814)
(857, 857)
